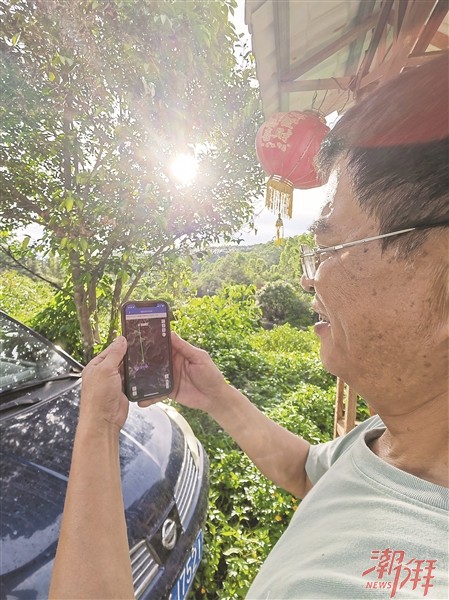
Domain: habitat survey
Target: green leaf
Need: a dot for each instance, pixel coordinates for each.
(15, 38)
(68, 203)
(51, 76)
(25, 242)
(123, 275)
(228, 533)
(83, 244)
(230, 551)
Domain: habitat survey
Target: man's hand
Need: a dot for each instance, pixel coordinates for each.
(102, 397)
(92, 559)
(198, 381)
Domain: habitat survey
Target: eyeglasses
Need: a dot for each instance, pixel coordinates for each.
(311, 257)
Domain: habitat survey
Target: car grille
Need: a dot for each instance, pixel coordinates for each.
(186, 485)
(143, 565)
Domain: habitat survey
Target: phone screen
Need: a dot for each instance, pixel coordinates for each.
(148, 369)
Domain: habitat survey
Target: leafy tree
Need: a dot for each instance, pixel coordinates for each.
(97, 98)
(288, 268)
(247, 266)
(281, 303)
(254, 265)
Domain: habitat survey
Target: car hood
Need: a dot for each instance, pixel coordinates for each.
(36, 446)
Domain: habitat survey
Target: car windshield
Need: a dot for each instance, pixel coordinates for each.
(25, 358)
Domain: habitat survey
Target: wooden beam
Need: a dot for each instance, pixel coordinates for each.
(416, 15)
(432, 26)
(382, 49)
(305, 65)
(415, 60)
(440, 40)
(336, 100)
(281, 22)
(381, 72)
(310, 85)
(376, 37)
(398, 15)
(355, 48)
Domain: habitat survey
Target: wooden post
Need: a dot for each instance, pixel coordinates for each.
(345, 409)
(351, 408)
(339, 400)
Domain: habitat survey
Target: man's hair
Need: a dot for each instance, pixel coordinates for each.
(395, 146)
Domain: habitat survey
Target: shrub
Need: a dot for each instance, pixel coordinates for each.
(281, 303)
(23, 297)
(59, 323)
(280, 371)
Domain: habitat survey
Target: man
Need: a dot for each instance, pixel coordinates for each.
(375, 519)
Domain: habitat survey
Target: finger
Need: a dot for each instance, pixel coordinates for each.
(99, 358)
(113, 355)
(146, 403)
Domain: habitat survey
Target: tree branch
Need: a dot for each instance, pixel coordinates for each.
(8, 253)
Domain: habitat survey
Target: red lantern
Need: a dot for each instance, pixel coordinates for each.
(286, 146)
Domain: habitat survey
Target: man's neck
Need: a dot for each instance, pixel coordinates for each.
(417, 441)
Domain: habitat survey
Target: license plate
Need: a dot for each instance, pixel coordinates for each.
(185, 579)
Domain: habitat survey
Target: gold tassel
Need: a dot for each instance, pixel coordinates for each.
(279, 231)
(279, 196)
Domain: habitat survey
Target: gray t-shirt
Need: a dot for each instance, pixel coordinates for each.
(365, 530)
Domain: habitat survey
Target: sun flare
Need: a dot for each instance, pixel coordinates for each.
(184, 168)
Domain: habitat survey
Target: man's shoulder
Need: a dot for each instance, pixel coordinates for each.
(322, 456)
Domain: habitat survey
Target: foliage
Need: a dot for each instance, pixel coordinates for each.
(281, 303)
(247, 513)
(58, 322)
(221, 321)
(97, 98)
(280, 371)
(289, 267)
(253, 265)
(21, 296)
(250, 266)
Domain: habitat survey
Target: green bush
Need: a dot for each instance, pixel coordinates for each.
(281, 303)
(22, 297)
(247, 513)
(280, 371)
(285, 338)
(59, 323)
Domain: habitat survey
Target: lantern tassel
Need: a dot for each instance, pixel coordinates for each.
(279, 231)
(279, 196)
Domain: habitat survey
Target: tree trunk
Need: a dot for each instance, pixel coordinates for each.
(82, 307)
(114, 321)
(93, 308)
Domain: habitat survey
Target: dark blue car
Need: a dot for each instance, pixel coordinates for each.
(164, 475)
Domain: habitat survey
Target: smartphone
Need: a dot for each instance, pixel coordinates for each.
(148, 360)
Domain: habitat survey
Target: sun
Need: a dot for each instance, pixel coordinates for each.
(184, 168)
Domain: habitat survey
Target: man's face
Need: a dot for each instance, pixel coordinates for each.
(377, 329)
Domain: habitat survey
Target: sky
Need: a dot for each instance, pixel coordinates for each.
(306, 203)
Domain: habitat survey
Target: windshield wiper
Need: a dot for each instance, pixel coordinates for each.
(12, 389)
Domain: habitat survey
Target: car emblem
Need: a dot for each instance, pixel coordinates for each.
(169, 534)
